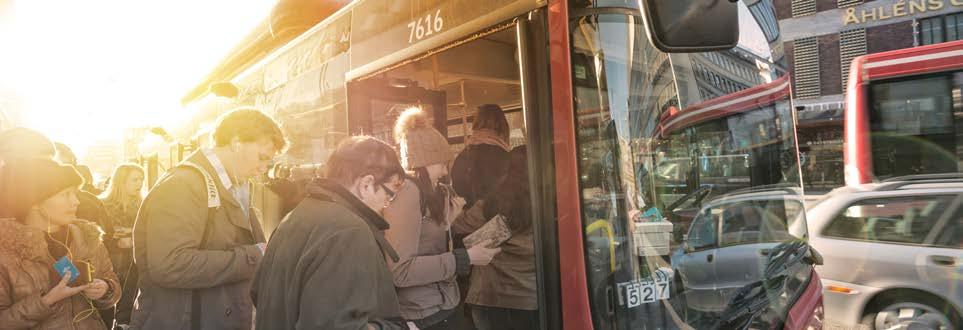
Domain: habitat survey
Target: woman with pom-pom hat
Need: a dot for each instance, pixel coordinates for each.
(420, 216)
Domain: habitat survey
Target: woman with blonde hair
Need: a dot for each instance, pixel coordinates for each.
(122, 199)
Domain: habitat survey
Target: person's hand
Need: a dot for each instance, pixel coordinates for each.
(62, 291)
(458, 203)
(481, 254)
(96, 289)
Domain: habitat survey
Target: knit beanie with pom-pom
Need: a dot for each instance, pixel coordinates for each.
(421, 144)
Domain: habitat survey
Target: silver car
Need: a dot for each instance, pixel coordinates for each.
(892, 254)
(728, 245)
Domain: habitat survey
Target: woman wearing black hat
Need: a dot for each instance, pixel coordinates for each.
(39, 234)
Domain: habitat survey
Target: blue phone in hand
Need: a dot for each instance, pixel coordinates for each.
(64, 265)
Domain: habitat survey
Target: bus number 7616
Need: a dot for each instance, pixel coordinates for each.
(432, 24)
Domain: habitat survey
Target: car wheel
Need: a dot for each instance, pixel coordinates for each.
(917, 314)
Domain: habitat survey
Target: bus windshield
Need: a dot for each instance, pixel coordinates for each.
(917, 125)
(688, 171)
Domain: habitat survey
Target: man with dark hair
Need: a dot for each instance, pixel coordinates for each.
(325, 267)
(197, 242)
(88, 176)
(65, 155)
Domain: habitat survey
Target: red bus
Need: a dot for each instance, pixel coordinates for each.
(584, 87)
(735, 141)
(732, 138)
(904, 114)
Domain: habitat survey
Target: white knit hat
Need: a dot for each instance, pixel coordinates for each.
(421, 144)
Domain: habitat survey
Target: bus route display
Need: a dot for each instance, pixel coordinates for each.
(383, 27)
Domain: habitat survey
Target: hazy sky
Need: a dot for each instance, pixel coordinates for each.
(85, 70)
(82, 71)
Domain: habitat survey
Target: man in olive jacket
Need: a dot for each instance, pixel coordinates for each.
(197, 242)
(325, 266)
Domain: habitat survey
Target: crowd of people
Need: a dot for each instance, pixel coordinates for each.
(373, 242)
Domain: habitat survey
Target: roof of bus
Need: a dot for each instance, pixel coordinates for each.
(288, 20)
(729, 104)
(911, 61)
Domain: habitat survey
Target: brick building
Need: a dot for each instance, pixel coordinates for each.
(821, 37)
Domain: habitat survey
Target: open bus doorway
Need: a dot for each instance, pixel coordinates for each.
(450, 85)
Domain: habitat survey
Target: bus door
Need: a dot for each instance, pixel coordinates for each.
(496, 66)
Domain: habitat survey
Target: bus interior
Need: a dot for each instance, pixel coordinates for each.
(450, 84)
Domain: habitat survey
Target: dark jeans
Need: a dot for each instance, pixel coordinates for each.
(495, 318)
(454, 321)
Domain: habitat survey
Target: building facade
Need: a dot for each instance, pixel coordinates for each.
(821, 38)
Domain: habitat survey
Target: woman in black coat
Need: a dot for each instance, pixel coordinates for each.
(478, 168)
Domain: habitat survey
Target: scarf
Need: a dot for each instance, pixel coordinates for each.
(487, 136)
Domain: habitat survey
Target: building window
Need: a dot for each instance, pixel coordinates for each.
(939, 29)
(765, 14)
(803, 7)
(806, 62)
(852, 43)
(848, 3)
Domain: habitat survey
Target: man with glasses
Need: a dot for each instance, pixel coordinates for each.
(326, 265)
(197, 242)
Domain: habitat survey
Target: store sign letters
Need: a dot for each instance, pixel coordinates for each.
(898, 9)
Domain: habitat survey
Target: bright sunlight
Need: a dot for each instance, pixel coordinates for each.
(82, 71)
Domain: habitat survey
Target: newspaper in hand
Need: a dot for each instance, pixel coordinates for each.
(495, 230)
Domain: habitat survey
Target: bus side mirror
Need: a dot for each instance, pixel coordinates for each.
(676, 26)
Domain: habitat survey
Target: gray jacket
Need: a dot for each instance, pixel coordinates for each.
(171, 262)
(427, 265)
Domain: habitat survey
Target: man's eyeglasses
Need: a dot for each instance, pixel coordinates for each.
(391, 194)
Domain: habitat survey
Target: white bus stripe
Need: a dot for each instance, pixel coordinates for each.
(731, 102)
(917, 58)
